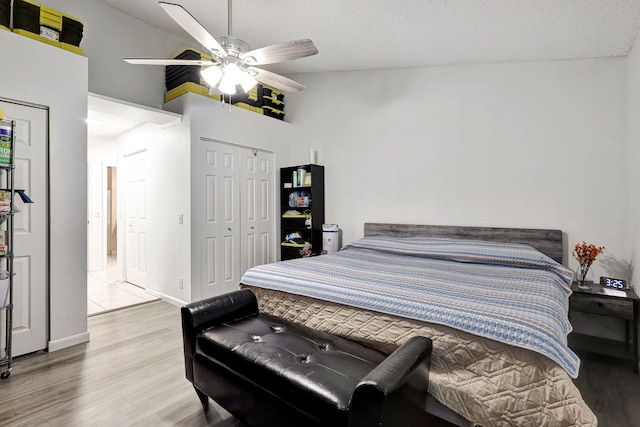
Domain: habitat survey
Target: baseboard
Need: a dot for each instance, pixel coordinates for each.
(69, 341)
(165, 297)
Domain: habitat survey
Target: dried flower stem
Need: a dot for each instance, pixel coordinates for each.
(586, 253)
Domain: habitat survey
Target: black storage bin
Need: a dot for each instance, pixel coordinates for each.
(190, 54)
(26, 16)
(176, 75)
(273, 93)
(268, 101)
(272, 112)
(5, 13)
(172, 70)
(245, 98)
(181, 74)
(72, 30)
(290, 252)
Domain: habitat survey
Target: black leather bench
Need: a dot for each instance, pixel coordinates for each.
(269, 372)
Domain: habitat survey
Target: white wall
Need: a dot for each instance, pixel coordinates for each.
(109, 36)
(167, 194)
(536, 144)
(633, 63)
(58, 79)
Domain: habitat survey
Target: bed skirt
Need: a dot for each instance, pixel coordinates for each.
(487, 382)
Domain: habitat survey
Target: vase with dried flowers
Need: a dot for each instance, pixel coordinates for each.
(586, 254)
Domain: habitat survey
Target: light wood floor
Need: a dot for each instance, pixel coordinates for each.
(132, 374)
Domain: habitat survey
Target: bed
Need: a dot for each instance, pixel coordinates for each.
(494, 307)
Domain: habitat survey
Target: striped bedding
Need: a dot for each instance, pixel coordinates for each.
(510, 293)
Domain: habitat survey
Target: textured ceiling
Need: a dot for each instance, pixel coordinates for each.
(373, 34)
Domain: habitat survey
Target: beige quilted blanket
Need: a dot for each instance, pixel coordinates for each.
(487, 382)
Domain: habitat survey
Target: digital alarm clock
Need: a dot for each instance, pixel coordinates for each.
(610, 282)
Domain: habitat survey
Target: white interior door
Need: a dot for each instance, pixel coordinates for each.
(30, 262)
(136, 219)
(257, 227)
(221, 239)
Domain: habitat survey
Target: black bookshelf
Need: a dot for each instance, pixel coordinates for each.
(308, 200)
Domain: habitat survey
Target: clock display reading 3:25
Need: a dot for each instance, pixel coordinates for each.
(610, 282)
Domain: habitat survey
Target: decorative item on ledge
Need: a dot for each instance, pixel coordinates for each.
(586, 254)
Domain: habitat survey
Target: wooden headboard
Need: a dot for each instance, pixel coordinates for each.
(549, 242)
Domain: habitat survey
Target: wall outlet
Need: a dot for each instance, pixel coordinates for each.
(180, 283)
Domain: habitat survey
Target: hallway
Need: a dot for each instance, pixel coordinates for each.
(105, 293)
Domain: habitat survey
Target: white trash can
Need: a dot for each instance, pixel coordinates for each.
(330, 238)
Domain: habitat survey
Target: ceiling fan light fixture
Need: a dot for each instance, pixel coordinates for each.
(212, 75)
(247, 81)
(229, 80)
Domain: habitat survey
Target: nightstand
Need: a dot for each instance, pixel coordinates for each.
(595, 301)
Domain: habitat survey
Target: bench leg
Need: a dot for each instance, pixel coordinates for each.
(204, 399)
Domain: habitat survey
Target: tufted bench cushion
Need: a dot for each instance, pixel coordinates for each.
(268, 371)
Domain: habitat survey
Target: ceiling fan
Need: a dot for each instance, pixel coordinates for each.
(234, 63)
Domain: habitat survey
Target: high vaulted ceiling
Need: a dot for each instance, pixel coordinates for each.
(373, 34)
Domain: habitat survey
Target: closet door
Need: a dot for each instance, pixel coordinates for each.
(221, 239)
(257, 228)
(30, 253)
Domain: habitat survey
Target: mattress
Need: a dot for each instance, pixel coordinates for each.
(485, 381)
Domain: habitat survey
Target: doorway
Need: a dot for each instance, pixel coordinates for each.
(112, 215)
(113, 167)
(107, 290)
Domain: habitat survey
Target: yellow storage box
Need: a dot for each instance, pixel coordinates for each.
(189, 87)
(39, 22)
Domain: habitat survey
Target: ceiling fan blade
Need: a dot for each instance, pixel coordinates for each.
(276, 80)
(280, 52)
(159, 61)
(193, 27)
